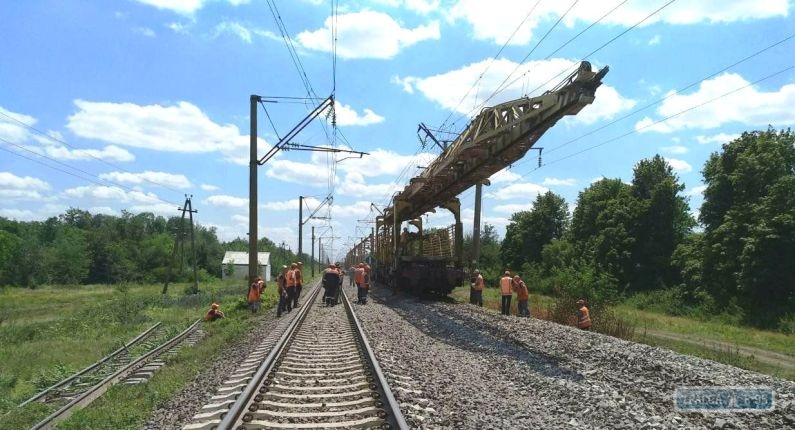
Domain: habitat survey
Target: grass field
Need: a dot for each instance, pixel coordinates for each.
(713, 340)
(53, 332)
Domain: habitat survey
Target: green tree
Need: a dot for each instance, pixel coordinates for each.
(601, 229)
(749, 229)
(67, 259)
(529, 231)
(661, 222)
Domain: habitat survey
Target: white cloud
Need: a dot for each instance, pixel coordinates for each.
(354, 184)
(178, 128)
(522, 190)
(156, 178)
(717, 138)
(146, 31)
(496, 24)
(696, 191)
(504, 175)
(178, 27)
(10, 181)
(680, 166)
(654, 40)
(748, 106)
(447, 89)
(184, 7)
(389, 163)
(208, 187)
(675, 149)
(13, 126)
(227, 201)
(555, 181)
(513, 208)
(108, 153)
(367, 34)
(346, 115)
(235, 28)
(297, 173)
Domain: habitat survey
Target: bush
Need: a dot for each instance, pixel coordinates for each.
(669, 301)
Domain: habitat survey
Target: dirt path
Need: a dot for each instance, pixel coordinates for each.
(763, 356)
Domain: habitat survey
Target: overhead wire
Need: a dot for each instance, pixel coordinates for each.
(88, 154)
(90, 177)
(645, 126)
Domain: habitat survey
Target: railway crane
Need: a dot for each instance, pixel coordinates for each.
(497, 137)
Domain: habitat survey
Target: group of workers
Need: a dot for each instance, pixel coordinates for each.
(290, 282)
(510, 285)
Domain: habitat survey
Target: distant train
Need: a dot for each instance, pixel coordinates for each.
(431, 261)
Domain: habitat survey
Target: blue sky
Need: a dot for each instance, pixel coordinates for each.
(131, 104)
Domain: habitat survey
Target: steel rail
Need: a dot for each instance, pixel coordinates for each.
(107, 358)
(239, 408)
(97, 390)
(395, 419)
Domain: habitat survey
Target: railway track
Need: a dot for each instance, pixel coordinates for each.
(315, 370)
(122, 365)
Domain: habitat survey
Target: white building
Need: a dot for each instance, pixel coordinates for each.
(235, 265)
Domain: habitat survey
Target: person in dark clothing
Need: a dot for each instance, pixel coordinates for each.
(331, 282)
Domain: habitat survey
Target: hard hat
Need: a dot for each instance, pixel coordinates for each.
(214, 305)
(476, 271)
(516, 278)
(507, 273)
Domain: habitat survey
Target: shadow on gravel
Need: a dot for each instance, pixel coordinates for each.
(467, 333)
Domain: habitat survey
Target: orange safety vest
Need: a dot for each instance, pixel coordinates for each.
(291, 278)
(583, 318)
(521, 291)
(506, 285)
(253, 292)
(478, 283)
(358, 275)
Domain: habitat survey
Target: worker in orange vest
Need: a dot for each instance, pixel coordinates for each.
(254, 291)
(522, 296)
(214, 313)
(583, 315)
(281, 285)
(506, 289)
(299, 282)
(477, 288)
(291, 282)
(358, 278)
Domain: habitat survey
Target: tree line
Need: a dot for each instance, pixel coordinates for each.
(80, 248)
(736, 259)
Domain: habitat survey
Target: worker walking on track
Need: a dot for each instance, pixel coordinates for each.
(583, 315)
(291, 287)
(281, 285)
(477, 288)
(522, 296)
(299, 281)
(506, 289)
(331, 283)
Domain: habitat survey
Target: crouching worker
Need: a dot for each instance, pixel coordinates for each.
(583, 315)
(214, 313)
(331, 283)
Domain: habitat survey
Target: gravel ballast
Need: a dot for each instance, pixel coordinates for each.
(457, 366)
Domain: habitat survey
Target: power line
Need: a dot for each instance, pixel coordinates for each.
(54, 139)
(104, 182)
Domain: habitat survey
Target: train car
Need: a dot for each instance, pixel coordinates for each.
(404, 256)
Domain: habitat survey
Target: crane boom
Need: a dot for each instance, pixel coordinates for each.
(497, 137)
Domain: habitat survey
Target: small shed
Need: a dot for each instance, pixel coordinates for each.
(235, 265)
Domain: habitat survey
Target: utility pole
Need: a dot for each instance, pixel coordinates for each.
(476, 224)
(301, 227)
(312, 260)
(187, 207)
(253, 259)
